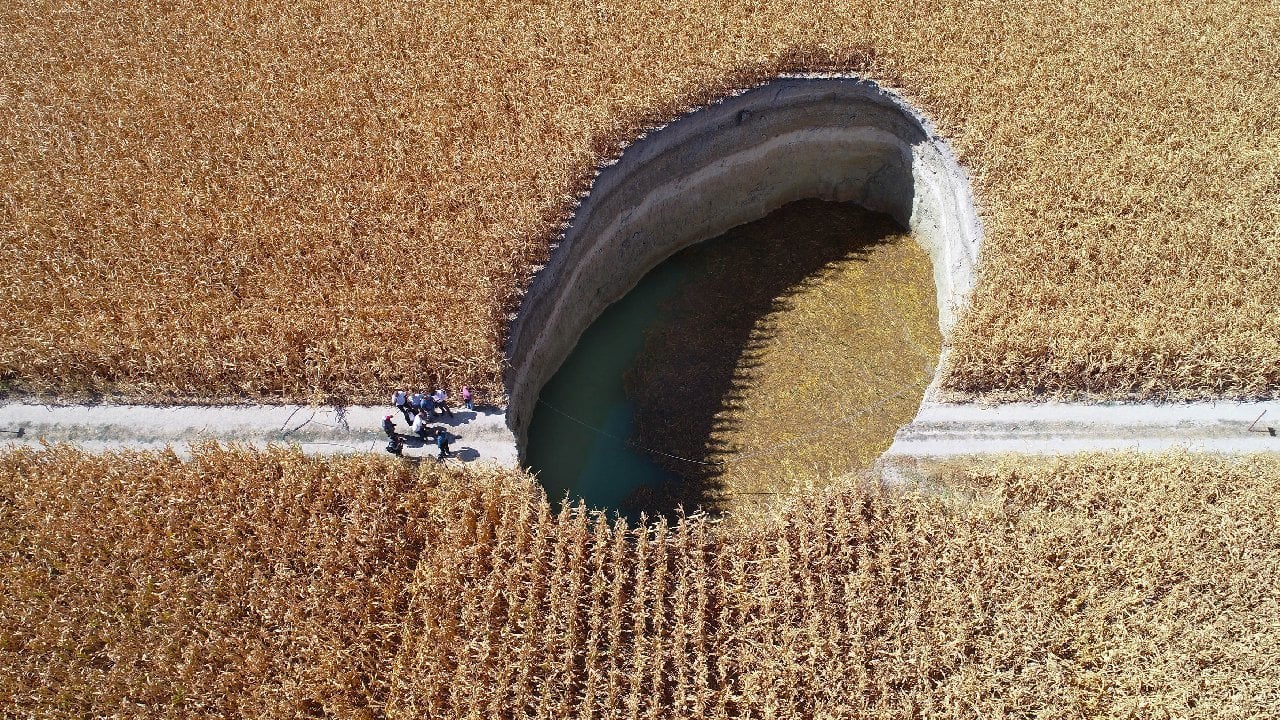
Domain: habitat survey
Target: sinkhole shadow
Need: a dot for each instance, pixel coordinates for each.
(692, 379)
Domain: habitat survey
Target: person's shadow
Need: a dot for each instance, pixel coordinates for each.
(428, 446)
(413, 441)
(459, 417)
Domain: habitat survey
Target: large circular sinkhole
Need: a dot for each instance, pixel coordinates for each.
(843, 241)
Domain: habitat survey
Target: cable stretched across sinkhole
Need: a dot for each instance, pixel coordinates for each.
(861, 412)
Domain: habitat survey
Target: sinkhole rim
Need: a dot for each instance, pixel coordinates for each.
(831, 137)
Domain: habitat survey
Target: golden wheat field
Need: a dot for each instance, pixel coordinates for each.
(267, 584)
(311, 200)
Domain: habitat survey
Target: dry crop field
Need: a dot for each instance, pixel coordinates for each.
(267, 584)
(311, 200)
(1121, 586)
(208, 201)
(235, 585)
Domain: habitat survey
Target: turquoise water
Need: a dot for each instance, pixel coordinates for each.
(580, 426)
(685, 342)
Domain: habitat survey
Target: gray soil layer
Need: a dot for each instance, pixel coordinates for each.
(832, 138)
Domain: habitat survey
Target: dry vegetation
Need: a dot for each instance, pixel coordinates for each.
(256, 585)
(792, 351)
(1097, 587)
(208, 200)
(237, 585)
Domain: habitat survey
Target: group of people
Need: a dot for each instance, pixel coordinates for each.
(419, 411)
(436, 402)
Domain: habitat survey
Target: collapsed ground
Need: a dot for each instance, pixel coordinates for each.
(227, 203)
(792, 352)
(247, 584)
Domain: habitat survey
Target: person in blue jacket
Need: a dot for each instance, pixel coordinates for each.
(442, 442)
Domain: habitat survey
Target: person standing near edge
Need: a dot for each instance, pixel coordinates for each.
(395, 446)
(401, 402)
(419, 426)
(417, 402)
(389, 427)
(441, 401)
(467, 398)
(442, 442)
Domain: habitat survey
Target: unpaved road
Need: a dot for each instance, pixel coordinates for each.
(481, 436)
(940, 430)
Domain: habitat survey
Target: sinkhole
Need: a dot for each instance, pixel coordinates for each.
(752, 296)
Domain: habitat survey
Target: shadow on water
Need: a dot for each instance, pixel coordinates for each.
(580, 440)
(634, 419)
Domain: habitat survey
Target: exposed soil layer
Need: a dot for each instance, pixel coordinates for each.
(840, 139)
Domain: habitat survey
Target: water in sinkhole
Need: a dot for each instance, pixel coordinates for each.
(744, 368)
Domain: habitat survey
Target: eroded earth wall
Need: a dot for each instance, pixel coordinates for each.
(833, 138)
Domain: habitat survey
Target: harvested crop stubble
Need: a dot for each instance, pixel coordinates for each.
(1107, 586)
(210, 201)
(240, 584)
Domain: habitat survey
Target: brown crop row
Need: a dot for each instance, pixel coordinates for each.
(248, 584)
(301, 200)
(235, 585)
(1095, 587)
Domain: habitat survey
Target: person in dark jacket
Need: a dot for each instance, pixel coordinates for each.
(442, 442)
(389, 426)
(395, 446)
(418, 402)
